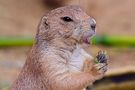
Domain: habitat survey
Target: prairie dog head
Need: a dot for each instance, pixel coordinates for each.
(69, 22)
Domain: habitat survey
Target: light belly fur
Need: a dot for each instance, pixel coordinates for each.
(77, 59)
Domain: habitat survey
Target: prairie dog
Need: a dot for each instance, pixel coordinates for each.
(58, 60)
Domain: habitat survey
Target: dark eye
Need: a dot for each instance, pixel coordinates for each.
(67, 19)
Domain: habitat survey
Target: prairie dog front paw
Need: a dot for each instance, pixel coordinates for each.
(96, 68)
(102, 57)
(101, 65)
(99, 70)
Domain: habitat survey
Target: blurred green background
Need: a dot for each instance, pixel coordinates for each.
(115, 25)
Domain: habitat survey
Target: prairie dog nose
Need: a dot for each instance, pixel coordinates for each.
(93, 24)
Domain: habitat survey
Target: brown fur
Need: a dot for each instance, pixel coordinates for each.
(50, 64)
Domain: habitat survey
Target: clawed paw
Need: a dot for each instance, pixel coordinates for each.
(99, 70)
(100, 67)
(102, 57)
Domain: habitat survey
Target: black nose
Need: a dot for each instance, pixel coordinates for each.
(93, 26)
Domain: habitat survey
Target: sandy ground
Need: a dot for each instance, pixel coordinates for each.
(21, 17)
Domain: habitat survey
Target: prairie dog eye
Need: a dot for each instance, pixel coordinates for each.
(67, 19)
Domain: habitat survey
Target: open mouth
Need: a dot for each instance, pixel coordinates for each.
(87, 40)
(87, 37)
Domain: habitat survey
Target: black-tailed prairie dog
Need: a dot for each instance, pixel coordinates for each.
(58, 60)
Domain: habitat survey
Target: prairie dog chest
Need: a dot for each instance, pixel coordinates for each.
(77, 59)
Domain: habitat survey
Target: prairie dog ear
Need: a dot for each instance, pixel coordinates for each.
(45, 21)
(42, 27)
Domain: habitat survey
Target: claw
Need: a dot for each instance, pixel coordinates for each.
(102, 57)
(104, 68)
